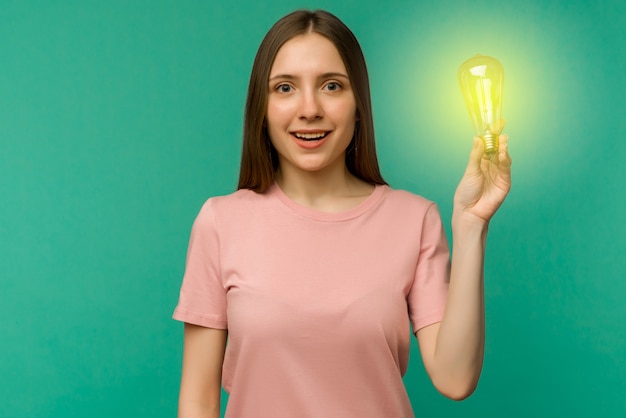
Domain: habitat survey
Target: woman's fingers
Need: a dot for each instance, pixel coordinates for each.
(476, 155)
(504, 158)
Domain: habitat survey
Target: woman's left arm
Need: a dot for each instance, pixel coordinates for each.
(452, 350)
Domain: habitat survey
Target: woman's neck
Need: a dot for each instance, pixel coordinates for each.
(332, 190)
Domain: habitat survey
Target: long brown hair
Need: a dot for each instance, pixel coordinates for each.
(259, 159)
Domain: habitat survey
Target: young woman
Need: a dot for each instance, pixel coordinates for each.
(315, 270)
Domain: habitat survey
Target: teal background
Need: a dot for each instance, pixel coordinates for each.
(118, 119)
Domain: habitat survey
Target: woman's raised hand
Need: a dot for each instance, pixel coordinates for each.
(486, 182)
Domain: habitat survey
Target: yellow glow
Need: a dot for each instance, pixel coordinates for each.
(428, 105)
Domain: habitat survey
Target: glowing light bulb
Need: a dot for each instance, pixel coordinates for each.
(481, 79)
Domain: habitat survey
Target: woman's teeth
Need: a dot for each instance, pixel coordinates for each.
(310, 136)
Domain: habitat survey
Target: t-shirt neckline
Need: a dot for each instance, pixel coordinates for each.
(317, 215)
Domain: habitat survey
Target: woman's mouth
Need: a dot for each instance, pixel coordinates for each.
(310, 136)
(310, 140)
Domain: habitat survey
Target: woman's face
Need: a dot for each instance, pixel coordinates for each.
(311, 109)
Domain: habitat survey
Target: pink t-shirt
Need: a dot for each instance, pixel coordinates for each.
(317, 305)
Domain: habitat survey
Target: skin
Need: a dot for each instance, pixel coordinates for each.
(453, 349)
(311, 93)
(201, 380)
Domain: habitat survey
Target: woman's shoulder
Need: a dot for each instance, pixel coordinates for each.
(237, 201)
(229, 209)
(411, 208)
(403, 197)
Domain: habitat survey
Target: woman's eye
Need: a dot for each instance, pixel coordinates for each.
(332, 86)
(283, 88)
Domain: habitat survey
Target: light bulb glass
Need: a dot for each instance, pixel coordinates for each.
(481, 79)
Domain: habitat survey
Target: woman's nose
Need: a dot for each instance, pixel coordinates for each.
(310, 106)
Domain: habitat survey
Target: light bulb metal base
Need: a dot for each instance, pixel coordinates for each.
(491, 142)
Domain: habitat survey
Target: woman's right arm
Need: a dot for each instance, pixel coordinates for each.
(201, 382)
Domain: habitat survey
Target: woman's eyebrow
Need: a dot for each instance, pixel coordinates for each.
(333, 75)
(282, 77)
(293, 77)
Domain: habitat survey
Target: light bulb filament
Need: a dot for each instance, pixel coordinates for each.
(481, 80)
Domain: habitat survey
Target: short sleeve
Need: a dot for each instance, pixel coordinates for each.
(427, 297)
(202, 298)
